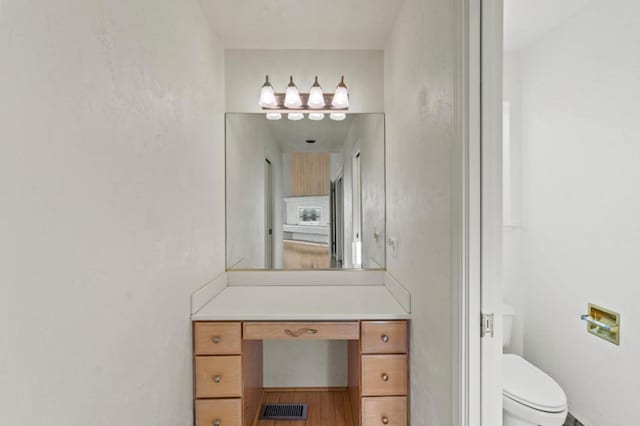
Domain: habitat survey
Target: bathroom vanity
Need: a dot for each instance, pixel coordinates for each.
(306, 196)
(228, 335)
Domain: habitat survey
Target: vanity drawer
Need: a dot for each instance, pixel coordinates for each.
(384, 337)
(301, 330)
(380, 411)
(384, 375)
(218, 338)
(218, 376)
(218, 412)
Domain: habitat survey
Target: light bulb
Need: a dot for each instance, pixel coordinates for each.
(274, 116)
(295, 116)
(341, 96)
(316, 116)
(316, 97)
(267, 95)
(292, 97)
(338, 116)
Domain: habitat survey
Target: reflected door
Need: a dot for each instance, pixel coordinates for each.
(357, 212)
(268, 214)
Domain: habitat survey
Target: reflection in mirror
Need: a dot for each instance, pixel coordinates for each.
(305, 194)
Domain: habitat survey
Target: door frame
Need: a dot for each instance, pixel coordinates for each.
(478, 376)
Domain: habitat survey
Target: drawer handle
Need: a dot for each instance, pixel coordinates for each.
(217, 378)
(301, 332)
(385, 339)
(216, 339)
(217, 422)
(385, 420)
(384, 377)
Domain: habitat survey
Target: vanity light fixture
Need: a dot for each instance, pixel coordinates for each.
(274, 116)
(292, 96)
(316, 97)
(341, 96)
(267, 95)
(316, 103)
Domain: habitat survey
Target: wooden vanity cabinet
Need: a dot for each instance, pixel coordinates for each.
(379, 374)
(228, 384)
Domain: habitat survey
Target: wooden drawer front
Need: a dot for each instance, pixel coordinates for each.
(218, 338)
(381, 411)
(218, 376)
(301, 330)
(384, 337)
(384, 375)
(226, 412)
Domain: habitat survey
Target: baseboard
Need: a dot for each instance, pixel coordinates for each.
(398, 291)
(207, 292)
(311, 278)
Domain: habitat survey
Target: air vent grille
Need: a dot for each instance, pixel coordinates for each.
(283, 412)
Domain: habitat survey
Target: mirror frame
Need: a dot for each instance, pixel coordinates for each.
(226, 203)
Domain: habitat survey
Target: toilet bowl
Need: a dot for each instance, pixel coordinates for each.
(530, 397)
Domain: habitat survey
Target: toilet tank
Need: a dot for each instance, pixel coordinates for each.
(507, 324)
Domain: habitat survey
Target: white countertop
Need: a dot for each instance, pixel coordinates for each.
(302, 303)
(307, 229)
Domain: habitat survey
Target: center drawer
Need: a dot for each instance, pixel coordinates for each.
(384, 375)
(218, 376)
(301, 330)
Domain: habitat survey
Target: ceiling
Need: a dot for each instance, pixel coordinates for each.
(302, 24)
(329, 135)
(527, 20)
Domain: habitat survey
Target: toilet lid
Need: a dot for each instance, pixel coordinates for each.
(528, 385)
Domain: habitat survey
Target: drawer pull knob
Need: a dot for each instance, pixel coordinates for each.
(300, 332)
(217, 422)
(384, 338)
(217, 378)
(385, 420)
(385, 377)
(216, 339)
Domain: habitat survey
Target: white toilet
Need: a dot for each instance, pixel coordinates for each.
(529, 396)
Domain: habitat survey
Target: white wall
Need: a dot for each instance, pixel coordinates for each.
(363, 71)
(111, 175)
(249, 143)
(581, 234)
(366, 136)
(303, 364)
(419, 96)
(512, 173)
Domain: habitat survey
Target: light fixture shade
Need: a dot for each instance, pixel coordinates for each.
(295, 116)
(316, 116)
(316, 97)
(267, 95)
(338, 116)
(292, 96)
(341, 96)
(274, 116)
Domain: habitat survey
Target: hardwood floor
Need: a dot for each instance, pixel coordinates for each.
(326, 407)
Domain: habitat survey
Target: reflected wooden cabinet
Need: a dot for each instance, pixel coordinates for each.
(228, 387)
(310, 174)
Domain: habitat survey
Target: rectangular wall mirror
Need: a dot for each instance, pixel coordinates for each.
(305, 194)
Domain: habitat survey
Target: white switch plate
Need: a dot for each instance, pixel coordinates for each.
(393, 245)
